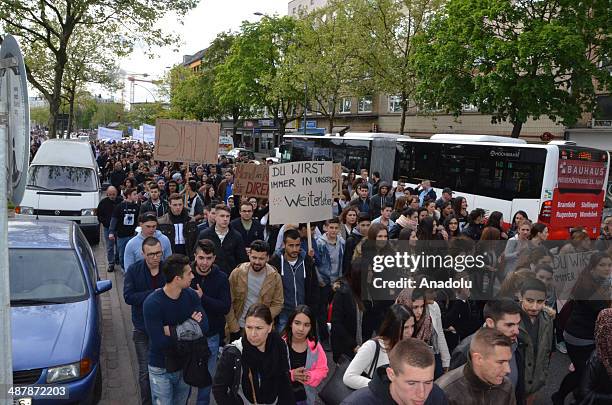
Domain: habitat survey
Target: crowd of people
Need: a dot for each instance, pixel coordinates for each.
(249, 312)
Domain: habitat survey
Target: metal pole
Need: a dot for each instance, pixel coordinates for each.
(305, 104)
(6, 362)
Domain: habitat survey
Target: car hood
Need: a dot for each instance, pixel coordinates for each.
(48, 335)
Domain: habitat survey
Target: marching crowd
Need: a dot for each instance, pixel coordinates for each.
(204, 271)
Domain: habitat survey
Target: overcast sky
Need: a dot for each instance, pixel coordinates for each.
(200, 27)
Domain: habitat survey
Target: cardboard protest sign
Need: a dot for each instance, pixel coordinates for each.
(186, 141)
(300, 192)
(251, 180)
(337, 181)
(566, 269)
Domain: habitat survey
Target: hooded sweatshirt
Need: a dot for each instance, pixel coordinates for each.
(377, 392)
(133, 249)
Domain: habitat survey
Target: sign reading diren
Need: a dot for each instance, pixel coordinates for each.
(186, 141)
(251, 180)
(300, 192)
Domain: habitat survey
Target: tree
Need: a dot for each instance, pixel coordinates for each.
(386, 30)
(39, 115)
(107, 113)
(516, 60)
(258, 73)
(325, 57)
(52, 25)
(144, 113)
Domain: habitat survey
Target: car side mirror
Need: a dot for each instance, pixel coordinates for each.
(103, 286)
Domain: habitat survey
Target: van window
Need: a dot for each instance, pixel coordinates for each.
(62, 178)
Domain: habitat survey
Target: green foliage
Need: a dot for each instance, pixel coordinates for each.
(106, 113)
(144, 114)
(39, 115)
(516, 60)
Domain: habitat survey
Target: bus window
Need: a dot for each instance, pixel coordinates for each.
(523, 180)
(357, 155)
(301, 150)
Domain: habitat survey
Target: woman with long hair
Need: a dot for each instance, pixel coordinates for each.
(399, 207)
(397, 325)
(490, 250)
(348, 329)
(348, 217)
(428, 327)
(451, 224)
(446, 210)
(496, 220)
(539, 233)
(460, 207)
(591, 294)
(307, 359)
(516, 246)
(254, 368)
(516, 221)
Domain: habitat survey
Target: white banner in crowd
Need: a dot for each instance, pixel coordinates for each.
(108, 134)
(300, 192)
(147, 133)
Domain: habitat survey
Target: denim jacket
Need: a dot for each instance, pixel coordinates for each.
(324, 267)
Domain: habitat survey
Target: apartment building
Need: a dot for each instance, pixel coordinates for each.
(296, 7)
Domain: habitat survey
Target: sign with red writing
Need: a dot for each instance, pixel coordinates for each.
(579, 174)
(251, 180)
(576, 209)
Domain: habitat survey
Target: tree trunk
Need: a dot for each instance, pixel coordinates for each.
(516, 129)
(403, 120)
(54, 104)
(71, 112)
(332, 117)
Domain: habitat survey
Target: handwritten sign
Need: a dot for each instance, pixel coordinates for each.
(186, 141)
(251, 180)
(300, 192)
(337, 181)
(566, 269)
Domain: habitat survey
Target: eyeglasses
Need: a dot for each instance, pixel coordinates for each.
(154, 254)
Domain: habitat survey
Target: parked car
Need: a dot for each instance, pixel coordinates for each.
(241, 153)
(56, 312)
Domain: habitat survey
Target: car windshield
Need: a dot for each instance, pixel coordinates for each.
(45, 276)
(62, 178)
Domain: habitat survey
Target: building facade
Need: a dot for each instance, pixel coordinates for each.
(297, 7)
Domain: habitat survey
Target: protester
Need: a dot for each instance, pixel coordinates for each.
(255, 367)
(307, 359)
(104, 212)
(249, 229)
(123, 222)
(407, 380)
(148, 227)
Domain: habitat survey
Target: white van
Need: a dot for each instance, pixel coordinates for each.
(63, 182)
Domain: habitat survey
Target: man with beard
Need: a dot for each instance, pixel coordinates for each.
(179, 227)
(253, 282)
(297, 270)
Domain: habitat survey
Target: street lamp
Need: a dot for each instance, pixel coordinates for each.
(143, 87)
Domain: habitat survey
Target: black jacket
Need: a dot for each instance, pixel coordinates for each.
(161, 210)
(117, 178)
(377, 392)
(311, 283)
(190, 230)
(349, 248)
(460, 356)
(596, 384)
(216, 299)
(256, 232)
(230, 253)
(228, 378)
(106, 206)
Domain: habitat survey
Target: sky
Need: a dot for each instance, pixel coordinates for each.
(199, 28)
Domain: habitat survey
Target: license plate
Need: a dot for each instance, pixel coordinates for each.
(22, 401)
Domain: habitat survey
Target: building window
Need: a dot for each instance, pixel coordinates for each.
(312, 2)
(345, 105)
(293, 11)
(365, 104)
(395, 104)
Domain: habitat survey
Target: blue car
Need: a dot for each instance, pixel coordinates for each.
(55, 309)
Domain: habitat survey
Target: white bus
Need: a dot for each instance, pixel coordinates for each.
(559, 184)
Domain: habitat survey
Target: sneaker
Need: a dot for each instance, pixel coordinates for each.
(111, 268)
(561, 348)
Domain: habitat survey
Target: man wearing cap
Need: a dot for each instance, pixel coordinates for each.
(447, 195)
(148, 227)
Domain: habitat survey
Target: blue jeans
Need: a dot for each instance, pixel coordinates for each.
(168, 388)
(111, 250)
(213, 346)
(121, 243)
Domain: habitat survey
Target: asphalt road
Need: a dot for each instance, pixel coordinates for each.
(120, 367)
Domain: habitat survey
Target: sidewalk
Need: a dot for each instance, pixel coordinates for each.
(118, 358)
